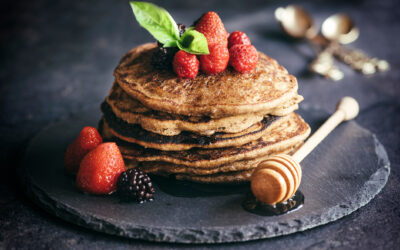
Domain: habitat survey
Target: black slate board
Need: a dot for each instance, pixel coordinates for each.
(341, 175)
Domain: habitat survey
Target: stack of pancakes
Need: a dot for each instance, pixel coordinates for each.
(212, 129)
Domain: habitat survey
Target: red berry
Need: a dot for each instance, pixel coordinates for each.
(212, 28)
(238, 37)
(88, 139)
(100, 169)
(216, 61)
(185, 65)
(243, 58)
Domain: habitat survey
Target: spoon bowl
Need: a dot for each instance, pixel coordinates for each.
(341, 28)
(296, 22)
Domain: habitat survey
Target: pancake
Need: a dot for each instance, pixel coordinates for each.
(242, 174)
(293, 131)
(220, 178)
(263, 90)
(170, 168)
(133, 133)
(132, 111)
(231, 178)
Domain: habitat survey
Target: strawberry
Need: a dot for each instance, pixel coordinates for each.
(216, 61)
(238, 37)
(212, 28)
(100, 169)
(185, 65)
(88, 139)
(243, 58)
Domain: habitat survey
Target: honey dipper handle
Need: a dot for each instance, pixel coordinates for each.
(346, 109)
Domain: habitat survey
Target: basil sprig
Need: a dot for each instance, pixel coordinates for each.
(164, 29)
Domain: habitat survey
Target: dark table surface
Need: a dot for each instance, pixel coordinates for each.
(57, 59)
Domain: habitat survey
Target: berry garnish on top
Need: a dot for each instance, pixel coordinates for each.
(162, 57)
(135, 185)
(88, 139)
(160, 24)
(170, 35)
(208, 39)
(243, 58)
(213, 29)
(216, 61)
(238, 37)
(185, 65)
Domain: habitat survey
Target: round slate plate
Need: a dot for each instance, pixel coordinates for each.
(341, 175)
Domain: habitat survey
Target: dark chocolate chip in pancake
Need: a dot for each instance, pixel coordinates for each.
(289, 133)
(134, 112)
(134, 133)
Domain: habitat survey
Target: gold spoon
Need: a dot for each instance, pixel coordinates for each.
(339, 28)
(296, 22)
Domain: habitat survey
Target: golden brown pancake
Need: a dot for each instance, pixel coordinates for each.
(170, 168)
(219, 178)
(223, 177)
(133, 133)
(288, 134)
(132, 111)
(231, 178)
(187, 140)
(263, 90)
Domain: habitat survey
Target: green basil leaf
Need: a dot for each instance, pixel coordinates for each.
(193, 42)
(156, 20)
(170, 44)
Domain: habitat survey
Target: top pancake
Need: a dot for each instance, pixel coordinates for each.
(264, 89)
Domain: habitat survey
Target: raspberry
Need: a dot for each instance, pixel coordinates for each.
(212, 28)
(238, 37)
(135, 185)
(88, 139)
(100, 169)
(185, 65)
(216, 61)
(243, 58)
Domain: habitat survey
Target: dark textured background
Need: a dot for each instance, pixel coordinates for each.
(57, 59)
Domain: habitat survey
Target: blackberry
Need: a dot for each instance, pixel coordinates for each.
(162, 57)
(135, 185)
(181, 28)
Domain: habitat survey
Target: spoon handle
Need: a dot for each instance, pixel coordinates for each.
(324, 65)
(358, 60)
(346, 109)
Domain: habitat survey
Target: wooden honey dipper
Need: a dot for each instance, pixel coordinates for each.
(276, 179)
